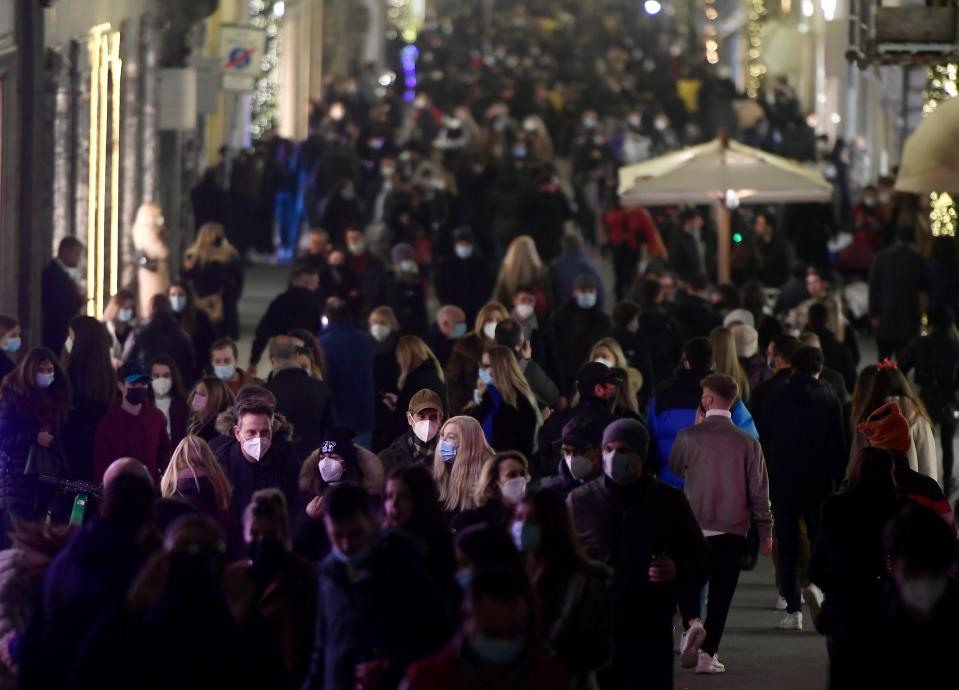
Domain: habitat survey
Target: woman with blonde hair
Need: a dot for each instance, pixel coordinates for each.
(213, 267)
(195, 476)
(504, 404)
(458, 464)
(609, 352)
(523, 266)
(209, 397)
(461, 370)
(418, 369)
(727, 359)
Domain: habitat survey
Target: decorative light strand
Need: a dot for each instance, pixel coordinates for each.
(755, 28)
(710, 34)
(942, 83)
(263, 15)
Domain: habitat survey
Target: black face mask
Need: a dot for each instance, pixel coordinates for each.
(136, 396)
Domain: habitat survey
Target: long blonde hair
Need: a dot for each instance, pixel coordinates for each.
(486, 312)
(387, 315)
(457, 485)
(727, 361)
(204, 249)
(411, 352)
(508, 378)
(218, 399)
(191, 459)
(521, 266)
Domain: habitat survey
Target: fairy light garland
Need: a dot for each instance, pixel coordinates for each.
(710, 34)
(942, 83)
(264, 15)
(755, 28)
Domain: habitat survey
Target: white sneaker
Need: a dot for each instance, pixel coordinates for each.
(781, 604)
(813, 597)
(689, 648)
(792, 621)
(709, 664)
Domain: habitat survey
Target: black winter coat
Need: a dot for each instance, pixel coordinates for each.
(514, 428)
(696, 316)
(936, 360)
(467, 283)
(19, 429)
(61, 301)
(577, 330)
(423, 376)
(897, 277)
(308, 405)
(661, 335)
(295, 308)
(407, 298)
(162, 335)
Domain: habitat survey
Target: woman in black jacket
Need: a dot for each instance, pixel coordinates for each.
(34, 404)
(504, 404)
(163, 335)
(213, 267)
(403, 291)
(385, 330)
(196, 324)
(209, 398)
(419, 369)
(10, 342)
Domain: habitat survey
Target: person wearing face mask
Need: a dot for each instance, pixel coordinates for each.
(209, 398)
(581, 458)
(369, 271)
(34, 402)
(396, 613)
(510, 334)
(170, 397)
(213, 267)
(461, 371)
(646, 532)
(916, 635)
(10, 344)
(569, 268)
(132, 427)
(385, 331)
(298, 307)
(498, 645)
(578, 324)
(461, 454)
(443, 335)
(194, 476)
(256, 457)
(417, 445)
(404, 290)
(573, 590)
(543, 348)
(224, 358)
(61, 295)
(464, 278)
(501, 487)
(162, 334)
(285, 583)
(119, 317)
(342, 210)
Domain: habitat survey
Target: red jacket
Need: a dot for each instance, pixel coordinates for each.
(121, 434)
(626, 226)
(448, 670)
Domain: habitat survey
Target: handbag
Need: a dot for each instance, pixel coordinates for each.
(44, 461)
(212, 305)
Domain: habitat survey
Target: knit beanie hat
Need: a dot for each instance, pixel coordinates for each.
(630, 432)
(887, 428)
(403, 252)
(339, 441)
(747, 339)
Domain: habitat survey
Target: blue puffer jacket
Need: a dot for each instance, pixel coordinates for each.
(673, 408)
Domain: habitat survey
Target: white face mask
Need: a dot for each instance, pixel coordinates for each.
(489, 330)
(524, 311)
(256, 447)
(513, 490)
(924, 593)
(162, 386)
(579, 466)
(331, 470)
(379, 332)
(619, 466)
(425, 430)
(608, 362)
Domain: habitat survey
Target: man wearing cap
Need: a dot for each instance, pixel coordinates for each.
(597, 385)
(646, 531)
(581, 456)
(132, 427)
(727, 487)
(464, 279)
(417, 444)
(578, 324)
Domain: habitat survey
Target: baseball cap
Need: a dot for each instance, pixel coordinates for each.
(425, 399)
(596, 373)
(582, 432)
(132, 373)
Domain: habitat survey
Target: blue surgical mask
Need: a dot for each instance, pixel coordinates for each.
(45, 380)
(464, 251)
(448, 451)
(224, 372)
(498, 650)
(178, 303)
(125, 315)
(459, 330)
(586, 300)
(356, 559)
(485, 375)
(527, 537)
(13, 344)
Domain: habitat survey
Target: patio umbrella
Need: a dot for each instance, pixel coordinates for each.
(725, 174)
(930, 159)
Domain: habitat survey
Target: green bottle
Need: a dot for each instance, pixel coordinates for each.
(79, 509)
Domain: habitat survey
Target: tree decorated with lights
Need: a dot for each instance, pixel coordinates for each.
(942, 83)
(266, 15)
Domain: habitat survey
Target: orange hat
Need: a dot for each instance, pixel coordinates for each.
(887, 428)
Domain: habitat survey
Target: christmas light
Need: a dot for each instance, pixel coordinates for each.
(267, 15)
(755, 27)
(941, 84)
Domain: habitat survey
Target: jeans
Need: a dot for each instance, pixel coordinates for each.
(727, 553)
(287, 221)
(787, 535)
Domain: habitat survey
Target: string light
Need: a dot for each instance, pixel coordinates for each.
(755, 28)
(709, 32)
(266, 15)
(942, 83)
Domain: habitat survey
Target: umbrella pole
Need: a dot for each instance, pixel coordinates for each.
(722, 241)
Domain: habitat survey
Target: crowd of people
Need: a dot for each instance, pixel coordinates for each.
(462, 453)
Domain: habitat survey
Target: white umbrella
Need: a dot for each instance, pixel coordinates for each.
(721, 172)
(930, 159)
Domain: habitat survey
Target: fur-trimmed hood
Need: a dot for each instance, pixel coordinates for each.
(373, 477)
(225, 421)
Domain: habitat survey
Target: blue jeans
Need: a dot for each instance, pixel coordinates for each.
(287, 220)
